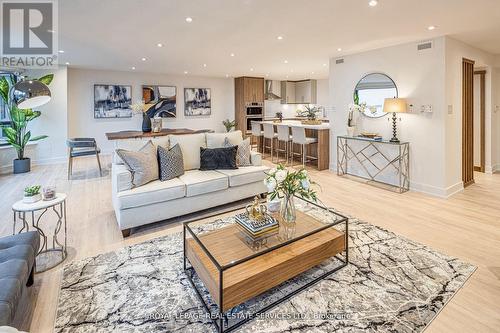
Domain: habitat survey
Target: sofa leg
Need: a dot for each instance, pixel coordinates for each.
(125, 233)
(31, 278)
(263, 196)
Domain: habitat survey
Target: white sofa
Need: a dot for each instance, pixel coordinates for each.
(194, 191)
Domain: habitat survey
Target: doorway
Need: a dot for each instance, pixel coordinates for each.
(479, 120)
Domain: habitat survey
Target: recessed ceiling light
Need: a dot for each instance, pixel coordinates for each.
(232, 54)
(286, 76)
(267, 74)
(133, 68)
(204, 65)
(61, 51)
(189, 19)
(143, 59)
(279, 37)
(67, 63)
(312, 72)
(159, 45)
(185, 72)
(286, 61)
(339, 49)
(227, 75)
(373, 3)
(251, 69)
(324, 65)
(432, 27)
(291, 70)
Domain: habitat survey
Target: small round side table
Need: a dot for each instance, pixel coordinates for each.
(47, 258)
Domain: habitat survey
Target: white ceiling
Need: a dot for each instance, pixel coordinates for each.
(116, 34)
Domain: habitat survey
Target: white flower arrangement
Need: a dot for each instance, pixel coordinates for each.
(281, 183)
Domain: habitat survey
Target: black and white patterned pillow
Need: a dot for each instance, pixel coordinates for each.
(171, 162)
(243, 153)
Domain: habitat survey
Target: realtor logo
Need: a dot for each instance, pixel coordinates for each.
(29, 33)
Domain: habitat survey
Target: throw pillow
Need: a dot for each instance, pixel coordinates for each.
(243, 152)
(218, 158)
(143, 164)
(171, 162)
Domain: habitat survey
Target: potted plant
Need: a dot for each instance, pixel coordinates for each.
(229, 124)
(16, 132)
(311, 113)
(32, 194)
(285, 184)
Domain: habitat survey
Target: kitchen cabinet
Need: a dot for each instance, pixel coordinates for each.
(249, 102)
(299, 92)
(253, 89)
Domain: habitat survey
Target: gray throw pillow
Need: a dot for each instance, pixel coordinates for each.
(171, 162)
(243, 153)
(143, 164)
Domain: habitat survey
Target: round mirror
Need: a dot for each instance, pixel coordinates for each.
(371, 91)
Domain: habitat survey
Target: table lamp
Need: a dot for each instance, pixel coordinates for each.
(394, 105)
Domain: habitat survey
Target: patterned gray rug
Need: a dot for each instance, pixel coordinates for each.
(392, 284)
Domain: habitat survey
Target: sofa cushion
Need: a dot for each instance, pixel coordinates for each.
(190, 146)
(171, 162)
(22, 252)
(243, 152)
(31, 238)
(143, 163)
(136, 144)
(216, 140)
(16, 269)
(245, 175)
(218, 158)
(10, 295)
(154, 192)
(200, 182)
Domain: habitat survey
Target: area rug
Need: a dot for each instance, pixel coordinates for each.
(391, 284)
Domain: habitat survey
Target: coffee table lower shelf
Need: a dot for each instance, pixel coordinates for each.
(239, 282)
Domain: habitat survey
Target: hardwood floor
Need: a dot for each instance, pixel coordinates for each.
(466, 226)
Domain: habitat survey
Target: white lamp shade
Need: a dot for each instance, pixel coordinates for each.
(392, 105)
(30, 94)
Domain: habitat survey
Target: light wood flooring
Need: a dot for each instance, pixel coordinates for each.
(466, 226)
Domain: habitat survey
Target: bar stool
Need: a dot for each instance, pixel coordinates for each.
(285, 137)
(299, 137)
(270, 135)
(257, 133)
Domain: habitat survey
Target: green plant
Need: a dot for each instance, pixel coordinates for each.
(282, 182)
(32, 190)
(229, 124)
(310, 111)
(16, 132)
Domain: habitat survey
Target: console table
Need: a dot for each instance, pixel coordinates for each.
(376, 160)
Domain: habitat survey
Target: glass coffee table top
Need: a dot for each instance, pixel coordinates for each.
(225, 241)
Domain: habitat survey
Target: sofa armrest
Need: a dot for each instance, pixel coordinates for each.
(255, 158)
(121, 178)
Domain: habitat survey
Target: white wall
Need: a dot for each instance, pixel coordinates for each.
(81, 122)
(290, 110)
(52, 122)
(420, 77)
(455, 52)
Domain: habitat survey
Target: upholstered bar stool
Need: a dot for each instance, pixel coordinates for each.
(283, 137)
(257, 134)
(269, 135)
(299, 137)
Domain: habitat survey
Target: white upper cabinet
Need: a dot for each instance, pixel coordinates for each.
(298, 92)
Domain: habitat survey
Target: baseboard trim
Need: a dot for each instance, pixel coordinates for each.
(440, 192)
(47, 161)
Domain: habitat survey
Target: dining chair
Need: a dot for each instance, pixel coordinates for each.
(82, 147)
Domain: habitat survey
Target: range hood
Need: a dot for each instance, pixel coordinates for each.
(270, 93)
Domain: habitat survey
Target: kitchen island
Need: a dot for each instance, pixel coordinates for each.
(321, 150)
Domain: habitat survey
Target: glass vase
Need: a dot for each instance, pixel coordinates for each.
(287, 212)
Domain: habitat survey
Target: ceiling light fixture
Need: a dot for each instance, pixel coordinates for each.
(227, 75)
(286, 61)
(324, 65)
(312, 72)
(251, 69)
(339, 49)
(159, 45)
(61, 51)
(279, 38)
(67, 63)
(432, 27)
(232, 54)
(133, 68)
(189, 19)
(185, 72)
(143, 59)
(204, 65)
(373, 3)
(267, 74)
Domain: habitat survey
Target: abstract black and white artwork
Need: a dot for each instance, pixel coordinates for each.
(197, 102)
(112, 101)
(160, 101)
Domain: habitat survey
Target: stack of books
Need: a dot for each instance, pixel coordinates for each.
(257, 228)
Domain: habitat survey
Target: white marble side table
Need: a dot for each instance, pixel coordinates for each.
(47, 258)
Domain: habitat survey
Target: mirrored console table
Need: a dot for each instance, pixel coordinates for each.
(377, 161)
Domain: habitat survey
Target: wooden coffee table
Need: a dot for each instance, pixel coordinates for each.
(234, 268)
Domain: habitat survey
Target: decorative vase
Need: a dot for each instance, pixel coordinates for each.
(287, 212)
(350, 130)
(157, 125)
(146, 122)
(22, 165)
(32, 199)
